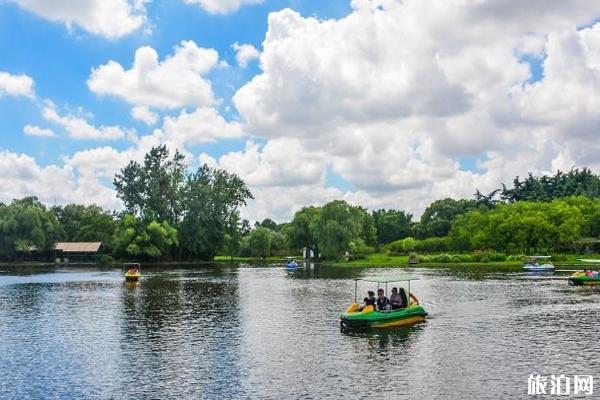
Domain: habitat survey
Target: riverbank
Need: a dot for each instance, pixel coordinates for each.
(372, 260)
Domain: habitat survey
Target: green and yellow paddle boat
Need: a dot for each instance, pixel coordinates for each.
(356, 317)
(133, 273)
(586, 277)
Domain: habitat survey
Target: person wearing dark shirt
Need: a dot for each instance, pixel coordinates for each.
(396, 300)
(383, 303)
(369, 301)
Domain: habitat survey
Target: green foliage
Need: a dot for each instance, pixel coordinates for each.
(327, 231)
(438, 217)
(526, 227)
(202, 206)
(409, 245)
(391, 225)
(301, 232)
(85, 223)
(27, 225)
(106, 260)
(153, 190)
(359, 250)
(480, 256)
(259, 242)
(267, 223)
(139, 239)
(212, 198)
(546, 188)
(339, 224)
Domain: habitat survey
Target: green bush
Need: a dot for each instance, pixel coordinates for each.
(359, 250)
(409, 245)
(106, 259)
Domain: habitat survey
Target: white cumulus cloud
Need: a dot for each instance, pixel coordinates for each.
(175, 82)
(222, 6)
(203, 125)
(397, 95)
(16, 85)
(144, 114)
(80, 128)
(244, 53)
(109, 18)
(32, 130)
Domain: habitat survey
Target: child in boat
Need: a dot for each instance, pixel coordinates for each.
(368, 301)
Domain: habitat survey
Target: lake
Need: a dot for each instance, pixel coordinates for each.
(250, 331)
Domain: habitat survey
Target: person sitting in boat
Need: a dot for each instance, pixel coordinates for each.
(368, 301)
(383, 303)
(396, 300)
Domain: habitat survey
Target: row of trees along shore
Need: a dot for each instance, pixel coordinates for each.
(173, 214)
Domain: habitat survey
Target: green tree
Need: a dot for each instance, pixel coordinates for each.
(301, 231)
(26, 224)
(438, 217)
(339, 224)
(85, 223)
(259, 242)
(148, 240)
(391, 225)
(153, 190)
(212, 198)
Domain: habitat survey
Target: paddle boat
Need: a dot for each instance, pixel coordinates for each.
(133, 273)
(356, 317)
(586, 277)
(532, 264)
(291, 263)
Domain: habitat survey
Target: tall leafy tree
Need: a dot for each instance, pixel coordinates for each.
(139, 238)
(259, 242)
(301, 232)
(26, 224)
(153, 189)
(546, 188)
(391, 225)
(437, 219)
(85, 223)
(212, 198)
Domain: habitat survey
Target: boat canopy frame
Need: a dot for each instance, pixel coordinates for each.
(385, 280)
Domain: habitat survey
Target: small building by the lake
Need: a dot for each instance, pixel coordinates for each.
(77, 252)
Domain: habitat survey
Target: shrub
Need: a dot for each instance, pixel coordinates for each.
(359, 250)
(106, 259)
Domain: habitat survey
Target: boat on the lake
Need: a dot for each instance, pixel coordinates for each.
(356, 317)
(133, 273)
(538, 264)
(291, 263)
(586, 277)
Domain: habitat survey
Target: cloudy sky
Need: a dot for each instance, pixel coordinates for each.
(384, 103)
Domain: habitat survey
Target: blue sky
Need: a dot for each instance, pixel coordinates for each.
(60, 60)
(382, 103)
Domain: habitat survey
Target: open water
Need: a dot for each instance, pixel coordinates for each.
(249, 331)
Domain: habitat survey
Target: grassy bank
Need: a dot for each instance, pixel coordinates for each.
(385, 260)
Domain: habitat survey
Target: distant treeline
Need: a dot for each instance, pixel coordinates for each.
(173, 214)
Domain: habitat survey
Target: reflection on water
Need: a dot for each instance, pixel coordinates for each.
(258, 332)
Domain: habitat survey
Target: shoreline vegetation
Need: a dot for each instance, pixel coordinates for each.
(173, 215)
(372, 261)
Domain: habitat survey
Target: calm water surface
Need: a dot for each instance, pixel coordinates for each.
(247, 331)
